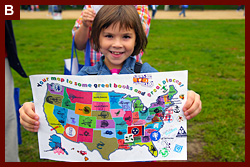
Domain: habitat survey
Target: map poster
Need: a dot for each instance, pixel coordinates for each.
(111, 118)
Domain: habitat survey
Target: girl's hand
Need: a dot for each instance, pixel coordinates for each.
(28, 117)
(193, 105)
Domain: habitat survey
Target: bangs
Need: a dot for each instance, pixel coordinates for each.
(119, 16)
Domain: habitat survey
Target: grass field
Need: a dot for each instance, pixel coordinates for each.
(213, 51)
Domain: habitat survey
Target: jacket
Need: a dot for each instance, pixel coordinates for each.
(128, 68)
(10, 45)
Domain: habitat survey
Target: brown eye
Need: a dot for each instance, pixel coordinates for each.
(126, 37)
(108, 36)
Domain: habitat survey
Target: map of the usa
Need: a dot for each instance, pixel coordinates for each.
(116, 118)
(107, 121)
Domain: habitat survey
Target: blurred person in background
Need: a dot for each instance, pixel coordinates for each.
(240, 7)
(154, 10)
(183, 10)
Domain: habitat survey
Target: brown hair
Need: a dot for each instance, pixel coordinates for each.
(128, 18)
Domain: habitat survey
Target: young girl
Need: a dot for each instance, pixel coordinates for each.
(118, 34)
(83, 25)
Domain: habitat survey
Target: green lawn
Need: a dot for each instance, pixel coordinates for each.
(213, 52)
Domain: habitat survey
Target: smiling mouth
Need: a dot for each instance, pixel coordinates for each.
(116, 53)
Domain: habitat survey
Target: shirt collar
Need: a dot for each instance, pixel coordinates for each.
(101, 69)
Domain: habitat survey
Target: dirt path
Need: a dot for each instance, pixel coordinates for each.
(206, 14)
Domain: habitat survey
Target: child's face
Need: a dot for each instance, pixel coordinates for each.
(117, 45)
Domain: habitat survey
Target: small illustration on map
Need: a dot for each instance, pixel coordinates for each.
(56, 145)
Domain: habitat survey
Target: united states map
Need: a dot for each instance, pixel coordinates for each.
(107, 121)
